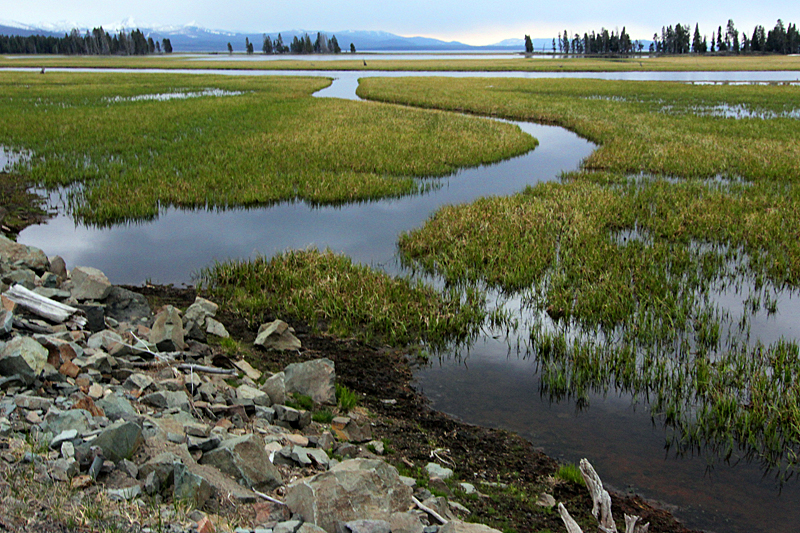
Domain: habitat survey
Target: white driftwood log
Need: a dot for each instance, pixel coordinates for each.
(601, 507)
(45, 307)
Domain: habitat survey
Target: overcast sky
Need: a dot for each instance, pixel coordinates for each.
(472, 21)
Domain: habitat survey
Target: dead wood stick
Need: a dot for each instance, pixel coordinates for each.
(428, 510)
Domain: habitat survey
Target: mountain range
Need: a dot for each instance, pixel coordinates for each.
(191, 38)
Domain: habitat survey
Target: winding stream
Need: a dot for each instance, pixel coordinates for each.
(486, 386)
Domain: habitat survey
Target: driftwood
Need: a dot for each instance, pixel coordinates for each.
(601, 507)
(45, 307)
(207, 369)
(430, 511)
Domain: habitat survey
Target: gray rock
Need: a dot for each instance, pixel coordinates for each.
(307, 528)
(277, 336)
(120, 440)
(351, 490)
(89, 284)
(167, 400)
(167, 330)
(407, 522)
(95, 316)
(65, 436)
(351, 430)
(58, 267)
(456, 526)
(441, 472)
(160, 466)
(251, 393)
(23, 356)
(275, 387)
(126, 306)
(25, 256)
(116, 406)
(468, 488)
(191, 486)
(50, 282)
(214, 327)
(138, 381)
(200, 310)
(33, 402)
(6, 322)
(21, 276)
(546, 500)
(77, 419)
(106, 340)
(64, 469)
(246, 461)
(289, 526)
(364, 526)
(312, 378)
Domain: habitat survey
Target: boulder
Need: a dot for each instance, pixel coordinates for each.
(126, 306)
(312, 378)
(24, 256)
(58, 267)
(406, 522)
(350, 430)
(23, 356)
(167, 330)
(441, 472)
(214, 327)
(167, 400)
(277, 335)
(120, 440)
(364, 526)
(275, 387)
(89, 284)
(352, 490)
(200, 310)
(245, 459)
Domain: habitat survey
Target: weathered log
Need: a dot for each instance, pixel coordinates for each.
(601, 507)
(45, 307)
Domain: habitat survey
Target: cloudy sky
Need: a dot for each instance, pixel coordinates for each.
(471, 21)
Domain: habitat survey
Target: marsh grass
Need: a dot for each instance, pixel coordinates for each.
(331, 293)
(621, 272)
(267, 141)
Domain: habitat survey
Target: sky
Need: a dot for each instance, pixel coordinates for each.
(476, 22)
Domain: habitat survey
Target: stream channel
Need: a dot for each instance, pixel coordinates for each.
(486, 384)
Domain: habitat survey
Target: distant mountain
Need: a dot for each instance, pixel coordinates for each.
(192, 38)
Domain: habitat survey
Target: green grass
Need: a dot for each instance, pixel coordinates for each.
(619, 267)
(268, 141)
(533, 64)
(332, 294)
(345, 398)
(571, 473)
(640, 126)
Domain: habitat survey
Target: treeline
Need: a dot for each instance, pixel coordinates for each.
(303, 45)
(679, 39)
(95, 42)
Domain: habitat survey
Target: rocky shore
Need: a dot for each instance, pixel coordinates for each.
(155, 417)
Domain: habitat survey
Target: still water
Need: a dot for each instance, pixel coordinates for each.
(487, 385)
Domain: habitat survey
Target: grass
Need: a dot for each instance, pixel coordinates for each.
(620, 264)
(345, 398)
(330, 293)
(264, 140)
(533, 64)
(571, 473)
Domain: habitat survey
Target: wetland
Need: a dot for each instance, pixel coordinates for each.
(614, 279)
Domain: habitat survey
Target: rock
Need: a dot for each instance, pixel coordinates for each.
(116, 406)
(167, 330)
(468, 488)
(23, 356)
(376, 447)
(126, 306)
(244, 459)
(64, 469)
(289, 526)
(191, 486)
(277, 336)
(307, 528)
(89, 284)
(252, 393)
(276, 388)
(58, 267)
(364, 526)
(245, 367)
(441, 472)
(303, 457)
(312, 378)
(125, 494)
(21, 276)
(138, 381)
(546, 500)
(77, 419)
(6, 322)
(167, 400)
(407, 522)
(350, 430)
(120, 440)
(200, 310)
(24, 256)
(95, 316)
(456, 526)
(352, 490)
(65, 436)
(214, 327)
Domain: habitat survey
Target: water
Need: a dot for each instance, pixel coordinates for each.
(485, 386)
